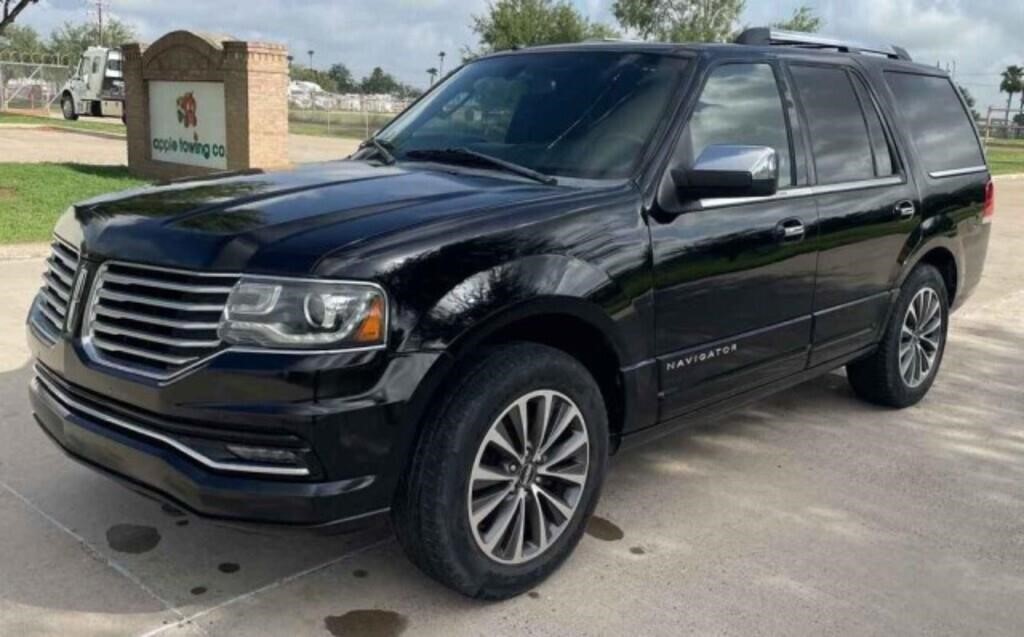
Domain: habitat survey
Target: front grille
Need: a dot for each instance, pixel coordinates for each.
(58, 280)
(156, 321)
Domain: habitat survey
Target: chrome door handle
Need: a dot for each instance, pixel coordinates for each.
(905, 209)
(791, 230)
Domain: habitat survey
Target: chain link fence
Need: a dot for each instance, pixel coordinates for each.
(31, 82)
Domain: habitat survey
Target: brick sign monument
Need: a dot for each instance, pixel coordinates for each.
(200, 103)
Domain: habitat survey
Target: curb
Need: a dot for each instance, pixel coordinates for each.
(19, 251)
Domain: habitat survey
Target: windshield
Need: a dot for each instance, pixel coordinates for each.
(587, 115)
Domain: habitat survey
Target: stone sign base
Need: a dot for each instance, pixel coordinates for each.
(200, 103)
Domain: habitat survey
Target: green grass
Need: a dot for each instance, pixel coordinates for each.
(32, 196)
(1005, 161)
(18, 118)
(336, 123)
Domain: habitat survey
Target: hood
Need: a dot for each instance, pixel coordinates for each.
(281, 222)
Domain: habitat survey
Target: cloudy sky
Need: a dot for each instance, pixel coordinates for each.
(980, 37)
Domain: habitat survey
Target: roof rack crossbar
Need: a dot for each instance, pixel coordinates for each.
(763, 36)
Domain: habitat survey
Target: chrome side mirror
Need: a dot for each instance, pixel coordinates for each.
(728, 170)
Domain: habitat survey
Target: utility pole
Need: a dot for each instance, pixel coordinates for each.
(99, 7)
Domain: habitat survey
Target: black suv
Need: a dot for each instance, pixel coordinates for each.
(553, 254)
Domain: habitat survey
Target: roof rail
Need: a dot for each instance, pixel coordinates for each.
(764, 36)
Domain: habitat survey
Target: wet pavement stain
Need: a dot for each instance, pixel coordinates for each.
(366, 623)
(228, 567)
(360, 573)
(637, 550)
(198, 590)
(603, 529)
(132, 538)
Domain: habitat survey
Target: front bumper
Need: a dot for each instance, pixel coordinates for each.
(351, 433)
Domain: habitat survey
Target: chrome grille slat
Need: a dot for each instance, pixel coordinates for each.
(103, 343)
(142, 299)
(55, 293)
(144, 336)
(165, 285)
(153, 320)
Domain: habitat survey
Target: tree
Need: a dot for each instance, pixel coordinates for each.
(510, 24)
(71, 40)
(680, 20)
(11, 9)
(803, 19)
(1012, 82)
(22, 39)
(432, 72)
(971, 102)
(342, 77)
(379, 82)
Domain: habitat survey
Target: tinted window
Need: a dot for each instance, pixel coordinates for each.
(937, 121)
(884, 164)
(575, 114)
(740, 104)
(839, 133)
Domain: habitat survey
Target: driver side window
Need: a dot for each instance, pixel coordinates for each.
(739, 104)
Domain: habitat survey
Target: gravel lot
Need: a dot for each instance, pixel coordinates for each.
(809, 513)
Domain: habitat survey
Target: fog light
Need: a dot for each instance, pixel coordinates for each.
(266, 455)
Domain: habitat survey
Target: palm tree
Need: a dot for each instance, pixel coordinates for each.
(1013, 82)
(432, 72)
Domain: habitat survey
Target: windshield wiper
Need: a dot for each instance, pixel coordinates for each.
(465, 155)
(381, 148)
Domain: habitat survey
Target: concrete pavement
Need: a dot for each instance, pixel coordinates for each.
(46, 145)
(808, 513)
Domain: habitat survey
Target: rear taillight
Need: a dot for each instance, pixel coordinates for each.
(989, 209)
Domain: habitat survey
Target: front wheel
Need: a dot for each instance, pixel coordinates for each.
(67, 108)
(506, 473)
(901, 371)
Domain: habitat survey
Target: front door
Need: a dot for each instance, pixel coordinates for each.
(734, 279)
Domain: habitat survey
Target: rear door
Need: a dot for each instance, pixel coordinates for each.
(867, 206)
(733, 290)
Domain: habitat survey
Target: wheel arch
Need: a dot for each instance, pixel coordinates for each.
(943, 255)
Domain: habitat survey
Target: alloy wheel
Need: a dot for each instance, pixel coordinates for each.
(920, 337)
(528, 477)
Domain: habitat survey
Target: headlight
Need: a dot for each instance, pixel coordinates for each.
(304, 314)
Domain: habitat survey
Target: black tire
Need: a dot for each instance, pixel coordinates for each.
(430, 513)
(67, 107)
(878, 378)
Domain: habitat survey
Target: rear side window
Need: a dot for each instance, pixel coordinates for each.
(740, 104)
(839, 131)
(937, 121)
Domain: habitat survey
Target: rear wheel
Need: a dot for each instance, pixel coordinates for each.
(903, 368)
(67, 107)
(506, 473)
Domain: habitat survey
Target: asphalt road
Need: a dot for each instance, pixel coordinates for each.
(809, 513)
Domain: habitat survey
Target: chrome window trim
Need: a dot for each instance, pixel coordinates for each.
(804, 191)
(954, 172)
(39, 380)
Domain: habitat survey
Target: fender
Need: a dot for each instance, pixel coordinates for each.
(534, 285)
